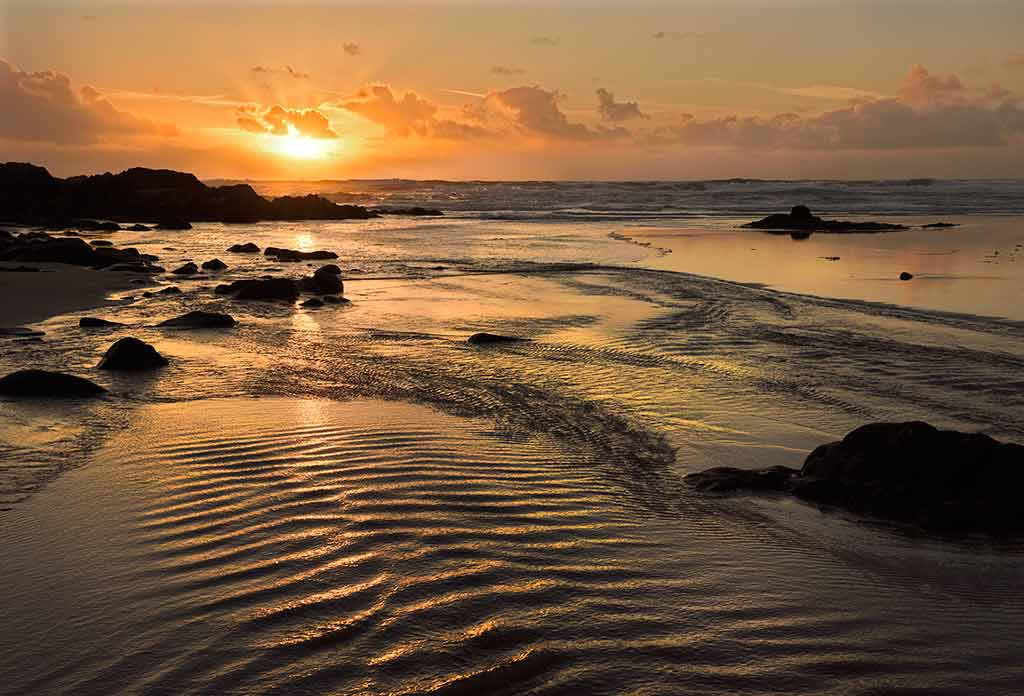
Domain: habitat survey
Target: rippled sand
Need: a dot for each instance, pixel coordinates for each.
(354, 500)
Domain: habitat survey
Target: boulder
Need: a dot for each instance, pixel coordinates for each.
(173, 224)
(323, 282)
(97, 323)
(330, 269)
(199, 320)
(247, 248)
(138, 228)
(131, 354)
(800, 218)
(187, 269)
(313, 302)
(940, 480)
(41, 383)
(169, 290)
(906, 276)
(483, 338)
(292, 255)
(214, 265)
(261, 289)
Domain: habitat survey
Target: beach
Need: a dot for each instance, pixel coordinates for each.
(354, 499)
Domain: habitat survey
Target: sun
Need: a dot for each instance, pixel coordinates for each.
(298, 146)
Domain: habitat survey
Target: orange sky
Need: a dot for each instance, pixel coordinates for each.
(491, 90)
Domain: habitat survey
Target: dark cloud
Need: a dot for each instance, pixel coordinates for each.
(544, 41)
(611, 110)
(506, 71)
(43, 106)
(286, 71)
(931, 112)
(277, 120)
(353, 49)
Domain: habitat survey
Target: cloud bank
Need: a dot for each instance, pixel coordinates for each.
(277, 120)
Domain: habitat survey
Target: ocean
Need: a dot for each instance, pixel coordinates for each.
(354, 500)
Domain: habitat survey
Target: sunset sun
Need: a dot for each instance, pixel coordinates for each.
(298, 146)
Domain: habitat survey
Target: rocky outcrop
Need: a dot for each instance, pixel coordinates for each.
(247, 248)
(484, 338)
(801, 219)
(266, 289)
(199, 320)
(29, 194)
(44, 384)
(292, 255)
(940, 480)
(41, 247)
(131, 354)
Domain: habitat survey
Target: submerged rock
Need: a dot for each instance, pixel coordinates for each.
(130, 354)
(484, 338)
(214, 265)
(801, 219)
(324, 281)
(199, 320)
(41, 383)
(97, 323)
(940, 480)
(247, 248)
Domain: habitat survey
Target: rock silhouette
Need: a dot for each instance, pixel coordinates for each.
(199, 320)
(97, 323)
(484, 338)
(45, 384)
(800, 218)
(247, 248)
(214, 265)
(131, 354)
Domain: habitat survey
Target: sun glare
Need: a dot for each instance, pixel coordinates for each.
(298, 146)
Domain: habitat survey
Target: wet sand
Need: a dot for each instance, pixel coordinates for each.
(56, 289)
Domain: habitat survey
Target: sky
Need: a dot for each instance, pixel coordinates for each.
(425, 89)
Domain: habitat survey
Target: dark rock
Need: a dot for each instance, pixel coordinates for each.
(138, 228)
(262, 289)
(330, 269)
(415, 211)
(939, 225)
(801, 219)
(19, 269)
(829, 258)
(313, 302)
(800, 236)
(940, 480)
(101, 243)
(906, 276)
(324, 281)
(97, 323)
(200, 320)
(489, 338)
(40, 383)
(139, 267)
(334, 299)
(131, 354)
(188, 269)
(169, 290)
(247, 248)
(214, 265)
(173, 224)
(292, 255)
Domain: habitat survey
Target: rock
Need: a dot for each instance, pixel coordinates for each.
(19, 269)
(313, 302)
(173, 224)
(292, 255)
(801, 219)
(489, 338)
(261, 289)
(139, 267)
(138, 228)
(940, 480)
(188, 269)
(40, 383)
(829, 258)
(800, 236)
(199, 320)
(324, 281)
(101, 243)
(329, 269)
(214, 265)
(169, 290)
(939, 225)
(131, 354)
(96, 323)
(906, 276)
(247, 248)
(334, 299)
(415, 211)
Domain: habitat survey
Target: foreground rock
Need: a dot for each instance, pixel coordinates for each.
(801, 219)
(484, 338)
(30, 195)
(247, 248)
(199, 320)
(41, 383)
(292, 255)
(187, 269)
(324, 281)
(214, 265)
(97, 323)
(131, 354)
(940, 480)
(268, 289)
(41, 247)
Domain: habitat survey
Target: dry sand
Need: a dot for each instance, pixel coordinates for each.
(26, 298)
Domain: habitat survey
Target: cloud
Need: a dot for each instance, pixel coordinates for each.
(544, 41)
(1015, 61)
(403, 117)
(286, 71)
(611, 110)
(353, 49)
(506, 71)
(277, 120)
(43, 106)
(930, 112)
(535, 111)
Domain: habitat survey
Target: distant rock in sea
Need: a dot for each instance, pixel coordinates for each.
(45, 384)
(484, 338)
(247, 248)
(293, 255)
(906, 276)
(938, 225)
(172, 200)
(801, 220)
(415, 211)
(940, 480)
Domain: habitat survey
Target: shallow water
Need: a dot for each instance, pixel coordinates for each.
(354, 500)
